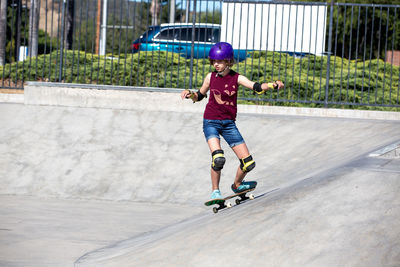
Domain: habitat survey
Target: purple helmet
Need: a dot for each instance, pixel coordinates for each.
(221, 51)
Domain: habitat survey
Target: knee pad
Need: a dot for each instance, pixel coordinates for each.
(247, 164)
(218, 160)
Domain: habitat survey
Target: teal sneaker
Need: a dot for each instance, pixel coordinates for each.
(244, 186)
(216, 194)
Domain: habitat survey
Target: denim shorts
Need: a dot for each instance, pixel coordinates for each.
(226, 128)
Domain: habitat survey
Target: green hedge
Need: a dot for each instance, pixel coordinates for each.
(371, 83)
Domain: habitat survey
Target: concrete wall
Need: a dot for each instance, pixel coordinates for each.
(164, 99)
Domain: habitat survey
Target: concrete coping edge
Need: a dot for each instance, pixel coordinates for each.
(249, 109)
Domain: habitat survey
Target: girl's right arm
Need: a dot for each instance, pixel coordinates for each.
(203, 90)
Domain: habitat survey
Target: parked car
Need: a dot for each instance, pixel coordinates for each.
(296, 54)
(177, 38)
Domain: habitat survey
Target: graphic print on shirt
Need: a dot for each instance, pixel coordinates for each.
(218, 96)
(223, 97)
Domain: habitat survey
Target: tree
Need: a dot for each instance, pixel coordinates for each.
(69, 24)
(365, 30)
(33, 28)
(155, 11)
(3, 29)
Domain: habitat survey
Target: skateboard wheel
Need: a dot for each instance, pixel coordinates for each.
(215, 210)
(237, 201)
(229, 205)
(251, 196)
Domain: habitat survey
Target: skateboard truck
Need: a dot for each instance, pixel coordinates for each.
(222, 203)
(243, 197)
(222, 206)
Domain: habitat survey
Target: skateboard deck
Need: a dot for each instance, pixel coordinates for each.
(221, 202)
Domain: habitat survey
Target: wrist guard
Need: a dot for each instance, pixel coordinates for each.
(257, 88)
(200, 96)
(272, 85)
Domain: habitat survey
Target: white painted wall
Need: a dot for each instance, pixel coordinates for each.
(275, 27)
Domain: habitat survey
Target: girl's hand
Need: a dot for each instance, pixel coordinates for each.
(269, 86)
(272, 85)
(186, 94)
(278, 84)
(189, 94)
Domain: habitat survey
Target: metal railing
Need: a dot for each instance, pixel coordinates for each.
(328, 54)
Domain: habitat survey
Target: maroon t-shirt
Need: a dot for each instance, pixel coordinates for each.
(222, 104)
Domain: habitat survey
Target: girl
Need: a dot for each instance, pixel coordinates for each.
(220, 115)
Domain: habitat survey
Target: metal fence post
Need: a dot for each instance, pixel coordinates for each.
(60, 74)
(328, 63)
(192, 48)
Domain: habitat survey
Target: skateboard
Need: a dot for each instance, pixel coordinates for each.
(221, 201)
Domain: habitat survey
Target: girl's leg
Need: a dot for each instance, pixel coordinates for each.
(241, 152)
(214, 144)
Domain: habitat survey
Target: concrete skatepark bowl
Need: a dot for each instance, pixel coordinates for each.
(86, 181)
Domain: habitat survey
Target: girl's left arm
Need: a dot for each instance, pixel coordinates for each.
(244, 81)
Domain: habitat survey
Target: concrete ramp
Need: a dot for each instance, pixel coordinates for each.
(344, 217)
(152, 156)
(322, 200)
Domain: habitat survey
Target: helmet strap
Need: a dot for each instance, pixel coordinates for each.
(221, 72)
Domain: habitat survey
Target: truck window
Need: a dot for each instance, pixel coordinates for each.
(184, 34)
(167, 34)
